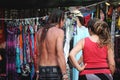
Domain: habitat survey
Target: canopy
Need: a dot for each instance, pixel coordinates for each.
(44, 3)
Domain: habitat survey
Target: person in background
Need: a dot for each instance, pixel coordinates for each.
(81, 33)
(98, 53)
(51, 60)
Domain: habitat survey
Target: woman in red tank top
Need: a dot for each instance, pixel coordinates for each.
(98, 55)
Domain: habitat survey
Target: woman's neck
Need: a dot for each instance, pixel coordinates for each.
(79, 24)
(94, 38)
(94, 35)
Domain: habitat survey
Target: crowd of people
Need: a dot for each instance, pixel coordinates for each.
(96, 61)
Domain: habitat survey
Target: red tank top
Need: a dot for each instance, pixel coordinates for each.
(95, 57)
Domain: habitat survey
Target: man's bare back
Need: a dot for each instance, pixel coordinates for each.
(51, 59)
(51, 47)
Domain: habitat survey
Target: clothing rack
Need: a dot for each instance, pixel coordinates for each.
(65, 12)
(19, 19)
(89, 5)
(24, 19)
(95, 4)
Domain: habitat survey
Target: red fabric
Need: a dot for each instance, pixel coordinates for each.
(2, 31)
(21, 43)
(87, 18)
(95, 57)
(35, 50)
(110, 11)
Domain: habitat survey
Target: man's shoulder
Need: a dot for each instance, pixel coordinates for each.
(57, 30)
(60, 31)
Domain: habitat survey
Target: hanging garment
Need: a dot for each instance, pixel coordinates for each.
(11, 54)
(21, 44)
(1, 36)
(24, 47)
(18, 63)
(27, 41)
(35, 47)
(2, 31)
(110, 11)
(87, 18)
(113, 26)
(31, 39)
(119, 22)
(25, 66)
(68, 36)
(3, 61)
(82, 32)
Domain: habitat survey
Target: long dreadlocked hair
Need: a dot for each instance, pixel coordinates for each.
(54, 18)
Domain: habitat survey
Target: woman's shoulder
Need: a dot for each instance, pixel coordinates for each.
(86, 38)
(84, 27)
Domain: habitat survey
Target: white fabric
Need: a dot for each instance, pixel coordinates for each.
(69, 35)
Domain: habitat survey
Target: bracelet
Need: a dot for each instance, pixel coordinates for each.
(37, 71)
(64, 74)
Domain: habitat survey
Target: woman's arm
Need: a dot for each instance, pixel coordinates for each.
(111, 61)
(80, 60)
(73, 53)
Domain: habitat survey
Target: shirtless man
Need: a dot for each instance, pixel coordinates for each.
(51, 60)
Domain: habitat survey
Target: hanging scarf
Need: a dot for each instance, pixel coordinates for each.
(35, 47)
(25, 66)
(31, 39)
(18, 63)
(21, 44)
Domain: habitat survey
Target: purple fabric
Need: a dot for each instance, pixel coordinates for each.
(10, 48)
